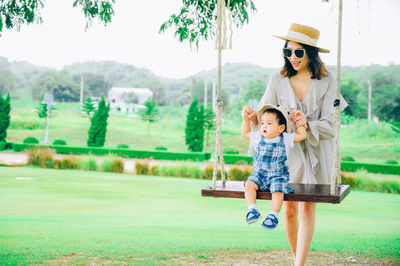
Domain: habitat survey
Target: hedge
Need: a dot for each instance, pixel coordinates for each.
(391, 169)
(232, 159)
(157, 155)
(197, 156)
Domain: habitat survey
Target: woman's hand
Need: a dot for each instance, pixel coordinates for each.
(299, 119)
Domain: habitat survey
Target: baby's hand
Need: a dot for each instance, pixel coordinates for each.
(245, 112)
(294, 115)
(298, 119)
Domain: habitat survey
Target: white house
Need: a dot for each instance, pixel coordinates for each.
(117, 97)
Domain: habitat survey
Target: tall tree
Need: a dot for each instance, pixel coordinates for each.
(150, 113)
(93, 84)
(254, 90)
(195, 127)
(130, 97)
(59, 84)
(7, 81)
(42, 109)
(209, 123)
(191, 121)
(158, 87)
(386, 103)
(5, 108)
(350, 90)
(98, 127)
(199, 140)
(13, 14)
(88, 106)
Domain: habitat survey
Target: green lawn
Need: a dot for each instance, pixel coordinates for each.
(125, 217)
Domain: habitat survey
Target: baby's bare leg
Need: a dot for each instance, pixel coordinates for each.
(277, 200)
(250, 192)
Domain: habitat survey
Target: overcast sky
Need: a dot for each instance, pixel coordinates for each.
(371, 35)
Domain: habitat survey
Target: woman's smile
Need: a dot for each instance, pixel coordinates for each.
(295, 63)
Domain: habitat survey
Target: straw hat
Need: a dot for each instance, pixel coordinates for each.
(281, 109)
(303, 34)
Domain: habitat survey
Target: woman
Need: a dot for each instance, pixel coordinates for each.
(304, 84)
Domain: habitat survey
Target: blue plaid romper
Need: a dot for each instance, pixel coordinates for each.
(271, 172)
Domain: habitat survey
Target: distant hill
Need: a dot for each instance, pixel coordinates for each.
(26, 73)
(235, 76)
(117, 74)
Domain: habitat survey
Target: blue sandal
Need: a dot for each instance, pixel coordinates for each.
(252, 216)
(270, 222)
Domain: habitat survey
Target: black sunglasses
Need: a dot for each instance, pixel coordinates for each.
(299, 53)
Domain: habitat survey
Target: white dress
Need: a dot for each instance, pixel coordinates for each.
(311, 160)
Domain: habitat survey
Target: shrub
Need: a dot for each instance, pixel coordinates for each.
(118, 165)
(57, 164)
(69, 162)
(348, 179)
(346, 119)
(231, 150)
(142, 168)
(30, 140)
(155, 170)
(112, 163)
(348, 159)
(240, 173)
(41, 156)
(180, 171)
(59, 142)
(391, 162)
(364, 181)
(3, 145)
(88, 163)
(208, 172)
(161, 148)
(122, 146)
(242, 162)
(26, 125)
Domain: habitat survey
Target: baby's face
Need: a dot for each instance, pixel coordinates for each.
(270, 127)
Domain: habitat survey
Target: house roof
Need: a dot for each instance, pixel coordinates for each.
(137, 91)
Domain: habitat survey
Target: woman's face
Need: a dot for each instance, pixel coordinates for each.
(298, 64)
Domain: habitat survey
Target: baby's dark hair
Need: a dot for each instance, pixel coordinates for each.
(279, 116)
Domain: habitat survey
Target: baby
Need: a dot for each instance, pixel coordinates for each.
(271, 173)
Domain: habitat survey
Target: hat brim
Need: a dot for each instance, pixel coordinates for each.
(269, 106)
(321, 50)
(262, 110)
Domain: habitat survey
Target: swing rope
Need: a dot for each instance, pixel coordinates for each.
(336, 178)
(220, 44)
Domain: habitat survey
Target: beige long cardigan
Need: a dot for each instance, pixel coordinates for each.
(311, 160)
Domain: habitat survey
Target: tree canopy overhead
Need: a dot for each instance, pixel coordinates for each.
(196, 20)
(14, 13)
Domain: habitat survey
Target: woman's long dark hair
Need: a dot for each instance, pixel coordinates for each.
(315, 65)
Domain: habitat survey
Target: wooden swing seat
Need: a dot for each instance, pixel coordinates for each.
(302, 192)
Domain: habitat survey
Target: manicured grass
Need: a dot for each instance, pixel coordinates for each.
(126, 217)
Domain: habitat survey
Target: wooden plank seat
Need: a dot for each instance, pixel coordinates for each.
(302, 192)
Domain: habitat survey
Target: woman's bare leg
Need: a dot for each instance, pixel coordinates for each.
(291, 224)
(305, 231)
